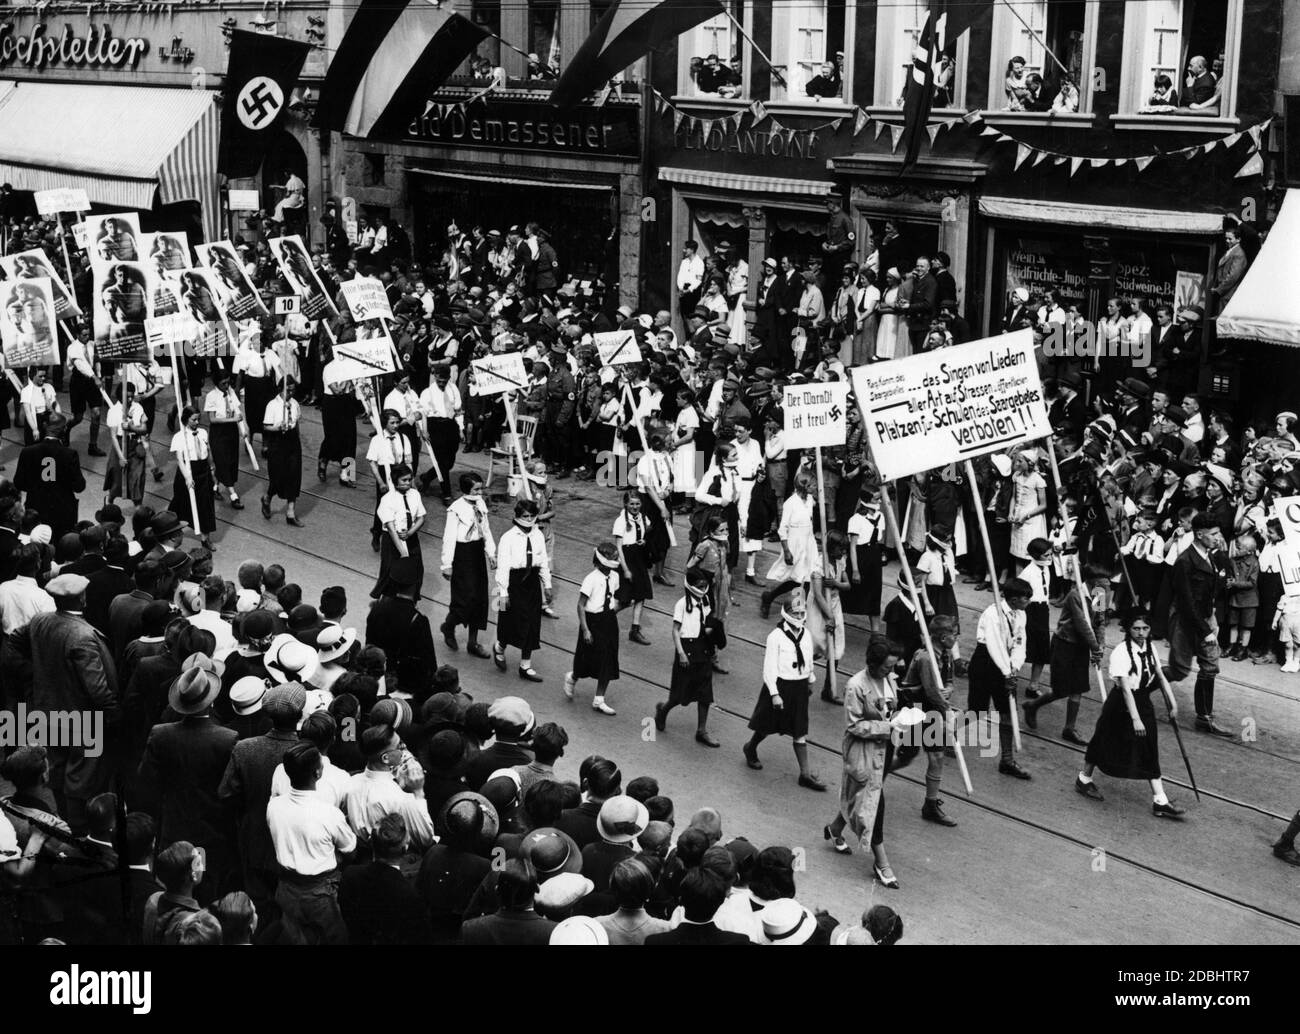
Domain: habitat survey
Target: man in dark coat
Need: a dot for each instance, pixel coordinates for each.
(50, 474)
(600, 780)
(923, 303)
(89, 885)
(1198, 586)
(109, 582)
(378, 903)
(11, 517)
(701, 895)
(453, 869)
(398, 628)
(514, 922)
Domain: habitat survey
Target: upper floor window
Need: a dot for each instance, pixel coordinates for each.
(487, 15)
(899, 28)
(713, 53)
(1181, 58)
(543, 40)
(808, 48)
(1041, 57)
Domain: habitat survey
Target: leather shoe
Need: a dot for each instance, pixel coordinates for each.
(811, 782)
(1207, 725)
(1031, 717)
(636, 637)
(751, 757)
(1286, 854)
(720, 669)
(1070, 736)
(1167, 811)
(266, 512)
(751, 579)
(449, 637)
(236, 504)
(840, 845)
(293, 522)
(499, 658)
(661, 717)
(706, 739)
(661, 580)
(528, 675)
(93, 451)
(983, 587)
(1011, 768)
(931, 811)
(1088, 790)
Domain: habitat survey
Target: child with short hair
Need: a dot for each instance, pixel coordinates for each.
(544, 496)
(996, 663)
(630, 529)
(1147, 550)
(1038, 632)
(595, 656)
(938, 569)
(1243, 594)
(866, 531)
(696, 637)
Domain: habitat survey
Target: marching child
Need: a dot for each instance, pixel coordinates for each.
(696, 636)
(596, 654)
(524, 582)
(996, 663)
(630, 529)
(1147, 549)
(866, 531)
(825, 615)
(1038, 632)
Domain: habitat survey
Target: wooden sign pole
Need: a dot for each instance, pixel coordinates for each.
(511, 420)
(831, 668)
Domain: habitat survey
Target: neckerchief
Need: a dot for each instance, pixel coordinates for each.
(798, 649)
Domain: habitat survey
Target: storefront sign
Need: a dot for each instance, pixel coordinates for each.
(610, 131)
(1037, 266)
(952, 404)
(749, 143)
(815, 415)
(42, 46)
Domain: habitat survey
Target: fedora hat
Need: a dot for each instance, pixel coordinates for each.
(551, 851)
(196, 687)
(288, 660)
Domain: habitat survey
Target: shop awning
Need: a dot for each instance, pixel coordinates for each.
(1266, 305)
(121, 144)
(512, 180)
(1101, 217)
(734, 184)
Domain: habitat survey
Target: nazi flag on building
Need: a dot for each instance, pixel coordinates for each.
(260, 77)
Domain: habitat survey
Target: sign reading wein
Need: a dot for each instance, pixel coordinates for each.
(39, 48)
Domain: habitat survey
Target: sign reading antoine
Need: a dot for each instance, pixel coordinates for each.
(40, 47)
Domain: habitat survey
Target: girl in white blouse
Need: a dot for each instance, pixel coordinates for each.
(595, 656)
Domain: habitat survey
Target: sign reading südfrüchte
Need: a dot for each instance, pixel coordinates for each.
(952, 404)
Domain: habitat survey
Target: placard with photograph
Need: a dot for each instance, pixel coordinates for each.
(295, 264)
(237, 291)
(113, 237)
(35, 265)
(167, 252)
(29, 331)
(122, 305)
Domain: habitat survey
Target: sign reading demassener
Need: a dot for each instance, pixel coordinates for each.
(952, 404)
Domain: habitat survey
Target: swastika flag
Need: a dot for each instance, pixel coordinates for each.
(260, 78)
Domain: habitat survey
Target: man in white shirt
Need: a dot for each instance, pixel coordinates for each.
(84, 387)
(38, 401)
(690, 277)
(209, 618)
(318, 729)
(1194, 429)
(21, 599)
(374, 793)
(308, 834)
(996, 664)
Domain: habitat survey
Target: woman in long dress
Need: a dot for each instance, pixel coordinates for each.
(892, 325)
(870, 703)
(798, 544)
(1028, 514)
(684, 446)
(1125, 743)
(868, 305)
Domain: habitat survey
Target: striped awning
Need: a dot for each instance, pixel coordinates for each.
(734, 184)
(122, 144)
(1101, 217)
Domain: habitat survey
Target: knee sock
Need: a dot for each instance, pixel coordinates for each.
(1292, 830)
(801, 755)
(1004, 738)
(1072, 711)
(933, 774)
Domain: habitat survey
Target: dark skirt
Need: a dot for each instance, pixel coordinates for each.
(1038, 634)
(944, 601)
(599, 658)
(469, 586)
(224, 442)
(692, 683)
(791, 718)
(258, 392)
(638, 587)
(520, 624)
(388, 553)
(180, 504)
(1113, 747)
(864, 598)
(339, 422)
(284, 464)
(656, 535)
(1071, 666)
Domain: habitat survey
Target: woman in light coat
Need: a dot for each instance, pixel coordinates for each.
(870, 704)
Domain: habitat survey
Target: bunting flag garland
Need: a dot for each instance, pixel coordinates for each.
(678, 115)
(879, 129)
(933, 132)
(1075, 163)
(1022, 154)
(895, 134)
(860, 122)
(1039, 157)
(1254, 167)
(1144, 161)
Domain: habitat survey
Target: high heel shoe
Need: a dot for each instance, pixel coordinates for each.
(886, 876)
(840, 845)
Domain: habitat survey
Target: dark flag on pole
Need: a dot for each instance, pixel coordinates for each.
(391, 60)
(629, 31)
(260, 76)
(918, 92)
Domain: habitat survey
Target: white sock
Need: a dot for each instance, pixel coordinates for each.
(1160, 798)
(749, 567)
(1086, 780)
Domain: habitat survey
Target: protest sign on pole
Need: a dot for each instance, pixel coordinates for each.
(951, 404)
(295, 264)
(494, 374)
(617, 347)
(370, 355)
(240, 296)
(28, 330)
(1288, 550)
(61, 199)
(367, 299)
(34, 265)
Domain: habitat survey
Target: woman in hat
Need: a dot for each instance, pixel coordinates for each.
(284, 452)
(697, 634)
(866, 532)
(788, 675)
(870, 704)
(891, 336)
(1125, 743)
(225, 424)
(524, 584)
(596, 654)
(193, 474)
(401, 513)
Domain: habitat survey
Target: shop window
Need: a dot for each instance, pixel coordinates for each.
(713, 224)
(808, 49)
(1181, 58)
(543, 40)
(1042, 55)
(712, 60)
(372, 173)
(899, 28)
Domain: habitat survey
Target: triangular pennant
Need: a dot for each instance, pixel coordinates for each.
(1254, 167)
(972, 117)
(789, 138)
(880, 128)
(1210, 145)
(1074, 165)
(1144, 161)
(933, 132)
(1257, 131)
(758, 110)
(1058, 159)
(678, 115)
(835, 126)
(1003, 138)
(736, 120)
(1040, 157)
(896, 134)
(990, 131)
(1098, 163)
(859, 121)
(1120, 161)
(1022, 154)
(1229, 141)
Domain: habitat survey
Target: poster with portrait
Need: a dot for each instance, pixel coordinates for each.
(167, 252)
(200, 299)
(295, 265)
(238, 294)
(164, 293)
(29, 331)
(122, 304)
(35, 265)
(114, 237)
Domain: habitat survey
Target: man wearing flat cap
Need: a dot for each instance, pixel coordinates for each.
(49, 473)
(1198, 586)
(72, 670)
